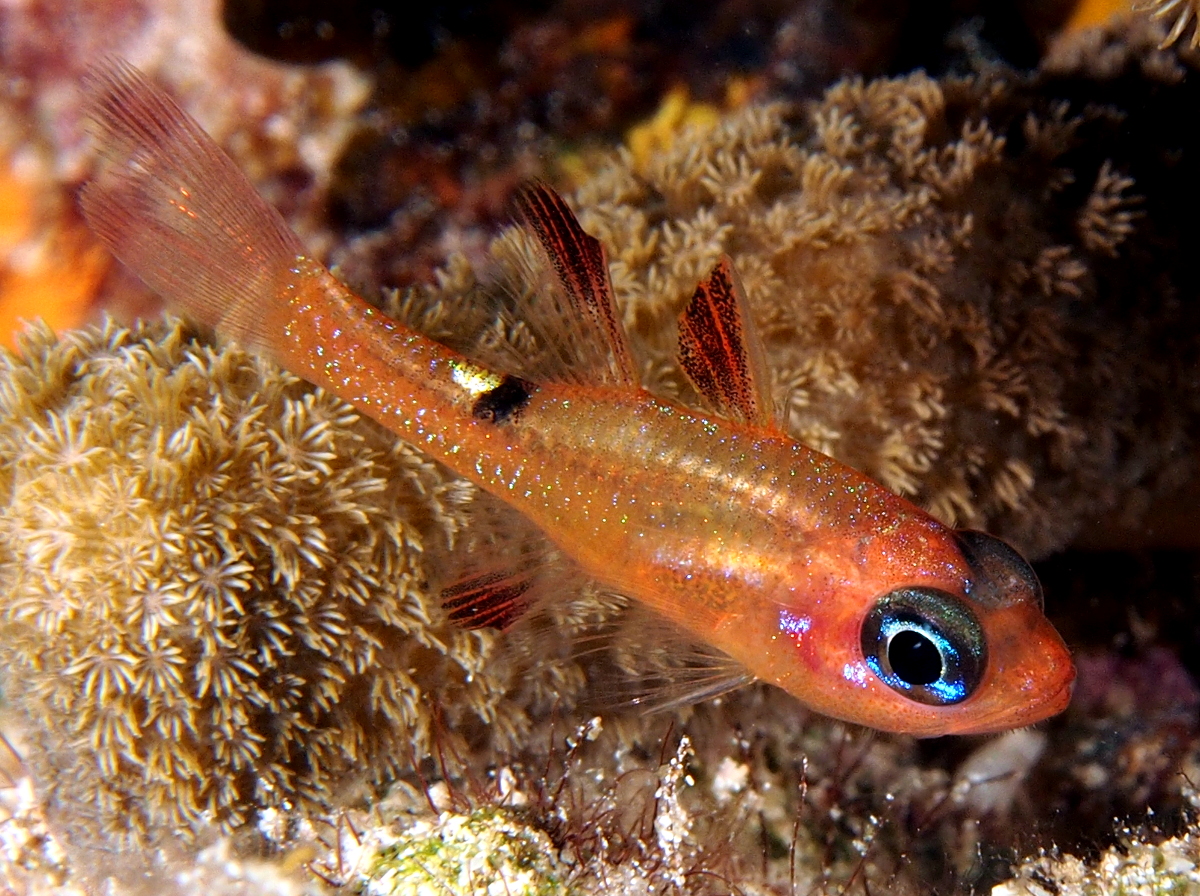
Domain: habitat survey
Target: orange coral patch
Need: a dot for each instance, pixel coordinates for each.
(48, 270)
(607, 35)
(16, 210)
(1089, 13)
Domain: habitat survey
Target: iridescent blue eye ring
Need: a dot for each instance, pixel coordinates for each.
(925, 644)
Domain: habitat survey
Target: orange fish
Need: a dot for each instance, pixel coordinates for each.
(799, 570)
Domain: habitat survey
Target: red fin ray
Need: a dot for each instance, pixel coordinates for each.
(492, 600)
(584, 329)
(719, 349)
(501, 569)
(178, 212)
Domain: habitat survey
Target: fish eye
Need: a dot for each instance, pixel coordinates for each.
(925, 644)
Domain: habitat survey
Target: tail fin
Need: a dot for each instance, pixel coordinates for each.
(178, 212)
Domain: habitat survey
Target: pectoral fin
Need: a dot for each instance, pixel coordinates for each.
(656, 666)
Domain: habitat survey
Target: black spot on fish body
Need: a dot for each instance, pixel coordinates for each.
(502, 403)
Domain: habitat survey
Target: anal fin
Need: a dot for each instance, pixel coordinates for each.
(491, 600)
(720, 352)
(500, 569)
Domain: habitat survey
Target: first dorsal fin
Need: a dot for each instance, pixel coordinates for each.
(720, 352)
(578, 259)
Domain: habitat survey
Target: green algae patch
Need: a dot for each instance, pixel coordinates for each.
(490, 851)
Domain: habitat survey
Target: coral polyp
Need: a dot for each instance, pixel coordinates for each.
(213, 585)
(1181, 17)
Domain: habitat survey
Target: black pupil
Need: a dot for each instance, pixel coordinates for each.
(914, 658)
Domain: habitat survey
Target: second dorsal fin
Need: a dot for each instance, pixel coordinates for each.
(720, 352)
(580, 265)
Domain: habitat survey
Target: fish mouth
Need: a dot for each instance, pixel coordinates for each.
(1066, 692)
(1038, 710)
(1006, 717)
(1059, 699)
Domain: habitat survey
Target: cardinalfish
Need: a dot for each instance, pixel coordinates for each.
(792, 567)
